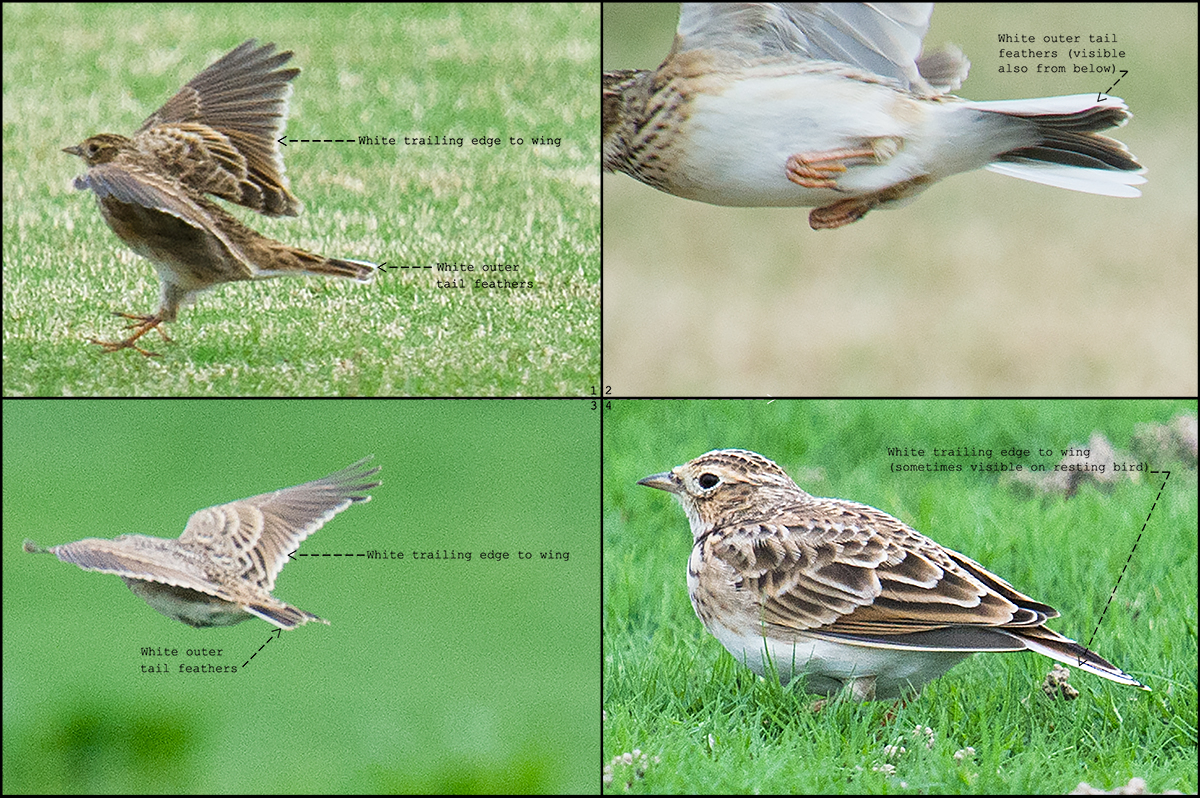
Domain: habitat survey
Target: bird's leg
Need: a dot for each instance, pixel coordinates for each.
(843, 212)
(821, 169)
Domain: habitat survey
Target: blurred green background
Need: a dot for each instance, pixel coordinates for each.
(984, 285)
(433, 676)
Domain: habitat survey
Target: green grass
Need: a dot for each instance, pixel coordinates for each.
(485, 71)
(673, 692)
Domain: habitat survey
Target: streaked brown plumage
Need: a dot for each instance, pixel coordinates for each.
(217, 136)
(841, 592)
(222, 569)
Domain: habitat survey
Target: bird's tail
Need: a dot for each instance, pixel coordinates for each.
(1070, 152)
(290, 260)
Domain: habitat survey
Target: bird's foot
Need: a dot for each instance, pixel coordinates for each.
(143, 325)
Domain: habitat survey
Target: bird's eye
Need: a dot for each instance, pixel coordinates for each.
(708, 480)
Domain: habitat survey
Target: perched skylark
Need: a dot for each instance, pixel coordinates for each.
(841, 592)
(832, 106)
(222, 569)
(217, 136)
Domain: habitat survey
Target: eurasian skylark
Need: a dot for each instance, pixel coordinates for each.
(222, 569)
(841, 592)
(832, 106)
(217, 136)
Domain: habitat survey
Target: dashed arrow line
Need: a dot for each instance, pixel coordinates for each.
(1128, 560)
(274, 636)
(1100, 97)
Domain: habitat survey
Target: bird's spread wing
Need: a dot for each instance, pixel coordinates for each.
(242, 100)
(140, 557)
(252, 538)
(201, 224)
(882, 39)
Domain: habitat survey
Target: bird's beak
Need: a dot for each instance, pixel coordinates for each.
(664, 481)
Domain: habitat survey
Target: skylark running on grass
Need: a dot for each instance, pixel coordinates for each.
(841, 592)
(222, 569)
(833, 106)
(217, 136)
